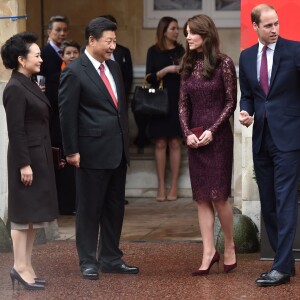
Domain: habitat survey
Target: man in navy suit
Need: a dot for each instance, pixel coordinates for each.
(270, 96)
(94, 123)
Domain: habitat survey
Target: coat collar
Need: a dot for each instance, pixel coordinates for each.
(30, 85)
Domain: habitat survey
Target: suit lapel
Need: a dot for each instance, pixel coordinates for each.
(95, 78)
(276, 61)
(31, 86)
(252, 61)
(112, 67)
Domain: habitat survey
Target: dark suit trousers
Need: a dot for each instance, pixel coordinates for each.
(277, 176)
(100, 205)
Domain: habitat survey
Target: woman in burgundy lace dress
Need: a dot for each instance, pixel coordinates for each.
(208, 98)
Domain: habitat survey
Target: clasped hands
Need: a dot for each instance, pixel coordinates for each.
(205, 138)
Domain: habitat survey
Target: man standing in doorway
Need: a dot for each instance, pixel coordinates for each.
(94, 123)
(270, 96)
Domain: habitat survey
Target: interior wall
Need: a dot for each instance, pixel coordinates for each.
(129, 14)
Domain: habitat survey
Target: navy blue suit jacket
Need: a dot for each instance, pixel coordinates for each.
(281, 106)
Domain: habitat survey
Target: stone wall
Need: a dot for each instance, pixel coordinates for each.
(129, 14)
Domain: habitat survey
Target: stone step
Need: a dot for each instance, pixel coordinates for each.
(141, 178)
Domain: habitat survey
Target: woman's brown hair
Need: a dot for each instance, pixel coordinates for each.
(162, 27)
(205, 27)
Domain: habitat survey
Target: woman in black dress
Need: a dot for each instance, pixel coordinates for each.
(163, 60)
(208, 97)
(32, 200)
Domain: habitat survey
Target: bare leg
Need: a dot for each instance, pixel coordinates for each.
(175, 157)
(160, 159)
(225, 214)
(19, 238)
(29, 247)
(206, 218)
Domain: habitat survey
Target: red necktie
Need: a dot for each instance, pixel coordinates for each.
(107, 84)
(264, 81)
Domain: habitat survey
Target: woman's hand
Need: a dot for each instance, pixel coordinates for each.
(193, 142)
(26, 175)
(205, 138)
(169, 69)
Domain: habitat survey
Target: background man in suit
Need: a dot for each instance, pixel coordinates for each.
(94, 123)
(270, 94)
(58, 29)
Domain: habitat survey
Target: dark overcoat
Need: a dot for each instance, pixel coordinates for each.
(27, 113)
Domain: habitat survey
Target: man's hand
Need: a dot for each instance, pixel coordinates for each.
(74, 160)
(245, 119)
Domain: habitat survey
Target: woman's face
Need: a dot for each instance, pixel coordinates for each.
(172, 32)
(32, 63)
(70, 54)
(194, 40)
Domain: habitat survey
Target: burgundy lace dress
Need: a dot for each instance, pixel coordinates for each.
(210, 103)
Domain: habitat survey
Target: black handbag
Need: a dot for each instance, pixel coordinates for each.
(150, 101)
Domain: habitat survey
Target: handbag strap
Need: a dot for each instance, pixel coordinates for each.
(145, 83)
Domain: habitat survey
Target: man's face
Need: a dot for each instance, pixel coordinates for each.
(268, 28)
(58, 33)
(102, 48)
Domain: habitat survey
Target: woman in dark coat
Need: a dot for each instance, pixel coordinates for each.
(32, 200)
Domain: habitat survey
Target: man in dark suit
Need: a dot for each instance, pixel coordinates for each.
(51, 69)
(270, 93)
(58, 29)
(94, 123)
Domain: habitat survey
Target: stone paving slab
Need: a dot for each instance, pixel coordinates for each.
(165, 274)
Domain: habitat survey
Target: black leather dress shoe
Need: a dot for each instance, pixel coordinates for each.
(273, 278)
(121, 269)
(90, 273)
(293, 273)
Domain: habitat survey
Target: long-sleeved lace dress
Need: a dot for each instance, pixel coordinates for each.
(210, 103)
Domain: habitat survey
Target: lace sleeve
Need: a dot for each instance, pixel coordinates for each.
(230, 84)
(184, 109)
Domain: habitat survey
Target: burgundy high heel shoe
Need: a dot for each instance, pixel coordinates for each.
(215, 259)
(228, 268)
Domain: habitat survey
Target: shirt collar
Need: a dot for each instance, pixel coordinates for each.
(261, 45)
(56, 48)
(94, 61)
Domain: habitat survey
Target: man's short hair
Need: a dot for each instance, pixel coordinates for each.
(96, 27)
(57, 19)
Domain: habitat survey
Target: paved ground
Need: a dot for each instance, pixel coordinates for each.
(163, 240)
(165, 274)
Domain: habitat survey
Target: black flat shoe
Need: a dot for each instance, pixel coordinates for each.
(14, 275)
(121, 269)
(293, 273)
(273, 278)
(90, 273)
